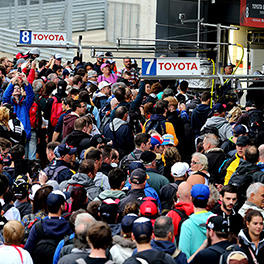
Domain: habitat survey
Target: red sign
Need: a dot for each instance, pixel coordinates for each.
(252, 13)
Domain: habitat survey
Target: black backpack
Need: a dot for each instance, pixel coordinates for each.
(45, 246)
(183, 217)
(53, 171)
(160, 259)
(157, 125)
(256, 126)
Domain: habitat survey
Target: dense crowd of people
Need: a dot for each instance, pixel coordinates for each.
(100, 166)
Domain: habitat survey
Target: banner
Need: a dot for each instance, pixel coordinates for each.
(252, 13)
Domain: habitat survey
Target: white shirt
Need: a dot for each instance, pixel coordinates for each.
(12, 213)
(11, 255)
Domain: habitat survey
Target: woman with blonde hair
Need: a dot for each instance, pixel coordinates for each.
(234, 114)
(199, 168)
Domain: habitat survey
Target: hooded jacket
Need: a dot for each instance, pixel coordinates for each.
(56, 227)
(169, 248)
(114, 194)
(185, 207)
(223, 126)
(248, 205)
(83, 180)
(100, 100)
(247, 245)
(122, 249)
(198, 118)
(120, 132)
(68, 123)
(193, 232)
(22, 108)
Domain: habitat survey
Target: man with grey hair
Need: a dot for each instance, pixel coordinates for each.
(79, 248)
(215, 156)
(255, 199)
(164, 235)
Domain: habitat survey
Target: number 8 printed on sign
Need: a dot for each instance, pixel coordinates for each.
(25, 37)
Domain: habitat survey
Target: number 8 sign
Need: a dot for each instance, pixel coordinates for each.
(25, 36)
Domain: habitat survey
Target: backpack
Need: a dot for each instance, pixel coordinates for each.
(90, 113)
(256, 124)
(45, 246)
(35, 116)
(160, 259)
(53, 171)
(56, 111)
(183, 217)
(226, 252)
(157, 125)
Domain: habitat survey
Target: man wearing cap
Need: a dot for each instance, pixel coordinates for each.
(229, 166)
(193, 230)
(139, 189)
(156, 147)
(76, 61)
(54, 227)
(99, 62)
(217, 234)
(179, 171)
(218, 121)
(155, 180)
(229, 145)
(101, 97)
(92, 78)
(59, 169)
(142, 233)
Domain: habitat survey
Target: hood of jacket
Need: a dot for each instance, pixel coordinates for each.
(202, 109)
(214, 150)
(99, 94)
(114, 194)
(216, 121)
(186, 207)
(56, 226)
(244, 236)
(165, 246)
(70, 118)
(156, 117)
(82, 179)
(123, 242)
(200, 220)
(246, 167)
(116, 124)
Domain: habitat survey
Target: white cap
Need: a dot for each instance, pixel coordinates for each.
(35, 51)
(103, 84)
(99, 54)
(58, 56)
(34, 189)
(179, 169)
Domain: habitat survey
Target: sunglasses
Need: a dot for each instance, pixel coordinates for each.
(194, 162)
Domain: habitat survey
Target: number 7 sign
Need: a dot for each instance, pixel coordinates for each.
(149, 67)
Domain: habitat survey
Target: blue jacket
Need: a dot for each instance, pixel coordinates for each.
(21, 109)
(193, 232)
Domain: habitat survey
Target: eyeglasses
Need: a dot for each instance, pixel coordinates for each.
(83, 106)
(194, 162)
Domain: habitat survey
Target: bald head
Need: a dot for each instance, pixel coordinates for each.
(184, 192)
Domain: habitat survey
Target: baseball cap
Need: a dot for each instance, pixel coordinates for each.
(104, 65)
(136, 165)
(56, 197)
(103, 84)
(147, 157)
(239, 130)
(109, 209)
(34, 51)
(230, 65)
(34, 189)
(142, 227)
(168, 92)
(243, 141)
(148, 208)
(218, 108)
(99, 54)
(76, 58)
(156, 140)
(168, 139)
(127, 222)
(64, 149)
(138, 176)
(217, 223)
(200, 191)
(179, 169)
(58, 56)
(92, 73)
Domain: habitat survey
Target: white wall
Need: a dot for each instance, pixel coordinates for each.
(143, 12)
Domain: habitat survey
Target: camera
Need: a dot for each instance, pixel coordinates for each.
(181, 16)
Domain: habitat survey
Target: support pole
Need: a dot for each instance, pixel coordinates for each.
(68, 19)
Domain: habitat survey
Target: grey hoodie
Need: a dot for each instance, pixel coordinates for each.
(222, 125)
(83, 179)
(116, 124)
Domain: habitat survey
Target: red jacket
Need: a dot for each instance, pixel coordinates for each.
(186, 207)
